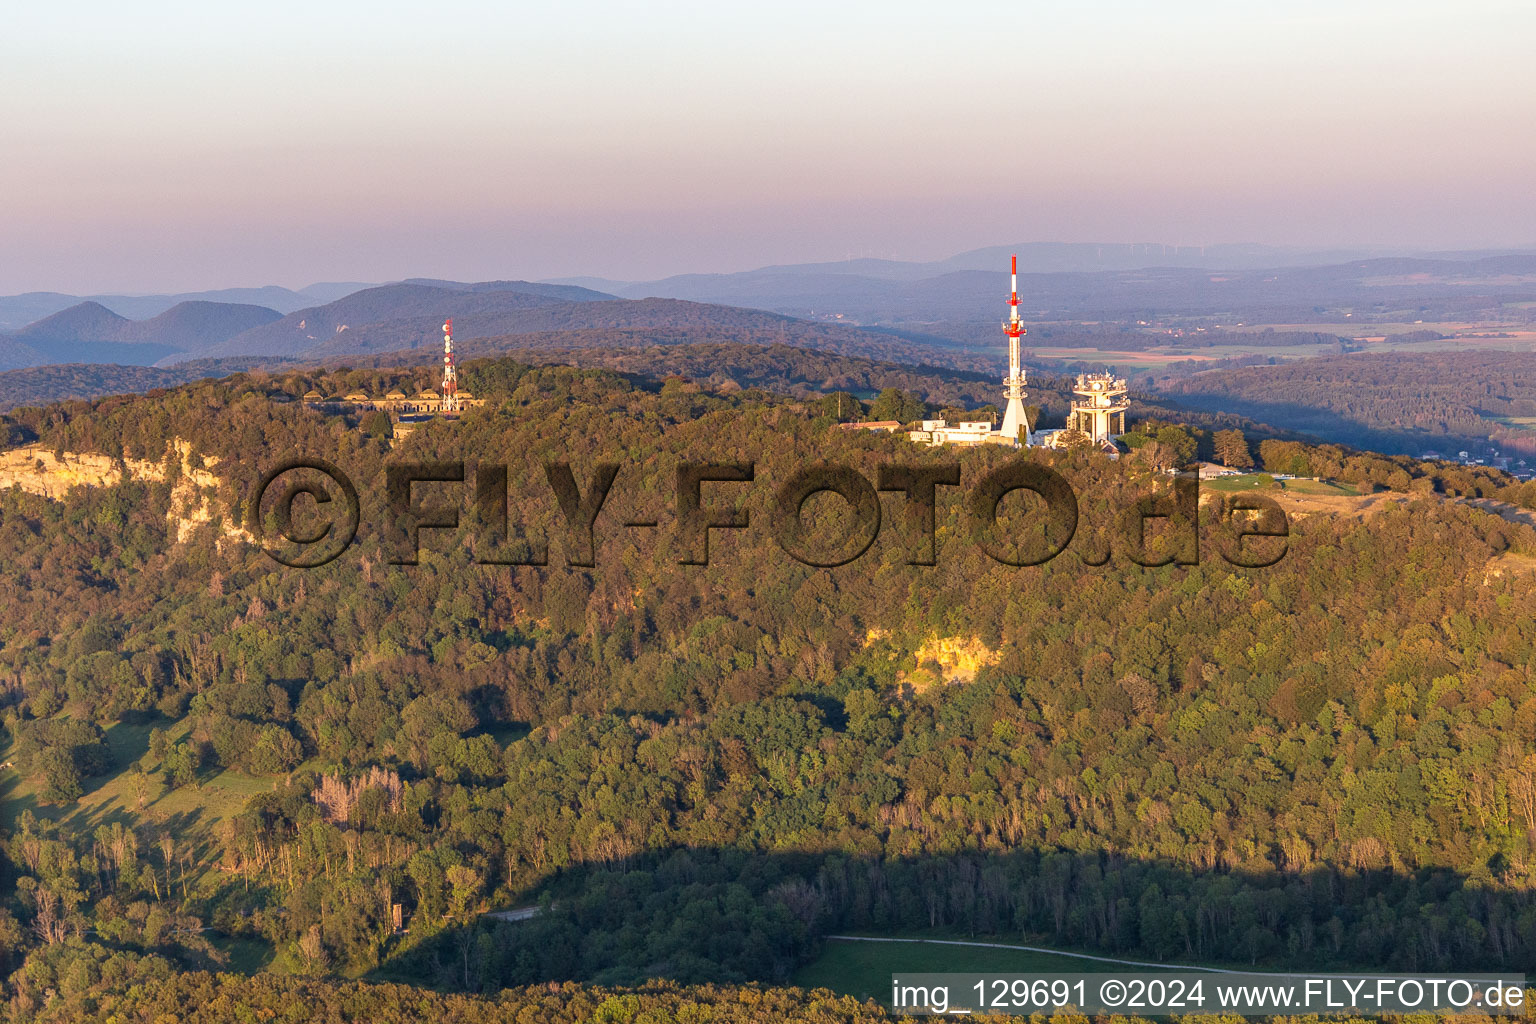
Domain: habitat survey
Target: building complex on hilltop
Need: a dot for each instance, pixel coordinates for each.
(1099, 414)
(449, 400)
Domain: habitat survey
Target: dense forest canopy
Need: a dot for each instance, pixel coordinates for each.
(701, 771)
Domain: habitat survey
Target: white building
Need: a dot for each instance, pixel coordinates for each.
(936, 432)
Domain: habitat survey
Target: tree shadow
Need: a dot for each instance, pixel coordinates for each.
(697, 915)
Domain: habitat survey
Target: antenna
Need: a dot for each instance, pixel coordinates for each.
(450, 374)
(1014, 417)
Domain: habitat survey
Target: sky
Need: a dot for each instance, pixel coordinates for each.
(173, 146)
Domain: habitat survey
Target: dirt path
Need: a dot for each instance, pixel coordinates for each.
(1502, 509)
(1350, 506)
(516, 913)
(1359, 507)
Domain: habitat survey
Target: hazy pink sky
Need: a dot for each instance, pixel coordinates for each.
(165, 146)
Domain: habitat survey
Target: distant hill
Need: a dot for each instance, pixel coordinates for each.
(401, 317)
(972, 287)
(1038, 258)
(397, 316)
(1398, 403)
(324, 291)
(40, 385)
(548, 290)
(90, 332)
(190, 325)
(87, 332)
(665, 322)
(401, 313)
(20, 310)
(14, 353)
(627, 315)
(87, 321)
(141, 307)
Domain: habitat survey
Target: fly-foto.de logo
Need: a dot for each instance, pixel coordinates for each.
(306, 512)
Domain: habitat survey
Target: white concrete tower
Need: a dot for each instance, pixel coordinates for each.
(1015, 422)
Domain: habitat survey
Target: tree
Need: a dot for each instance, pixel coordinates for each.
(841, 406)
(465, 884)
(181, 765)
(377, 424)
(61, 778)
(1232, 449)
(1073, 440)
(275, 751)
(311, 951)
(896, 404)
(1178, 441)
(1285, 457)
(1157, 455)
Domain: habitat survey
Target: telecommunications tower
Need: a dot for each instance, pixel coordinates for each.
(1015, 421)
(450, 375)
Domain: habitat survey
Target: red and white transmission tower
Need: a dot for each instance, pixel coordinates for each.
(450, 375)
(1014, 417)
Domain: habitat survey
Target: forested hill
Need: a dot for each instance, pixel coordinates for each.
(90, 332)
(954, 389)
(43, 385)
(406, 316)
(1398, 402)
(706, 769)
(715, 366)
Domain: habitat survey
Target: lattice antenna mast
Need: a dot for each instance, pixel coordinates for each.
(450, 373)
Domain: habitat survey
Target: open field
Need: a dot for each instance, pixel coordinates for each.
(1149, 356)
(1154, 359)
(1351, 328)
(863, 968)
(1249, 481)
(1469, 281)
(1459, 333)
(190, 812)
(1495, 339)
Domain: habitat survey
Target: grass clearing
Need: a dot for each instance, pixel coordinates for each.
(1328, 487)
(1241, 482)
(191, 812)
(1260, 481)
(246, 955)
(864, 969)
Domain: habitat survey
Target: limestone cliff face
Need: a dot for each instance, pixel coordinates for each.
(38, 470)
(958, 658)
(941, 660)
